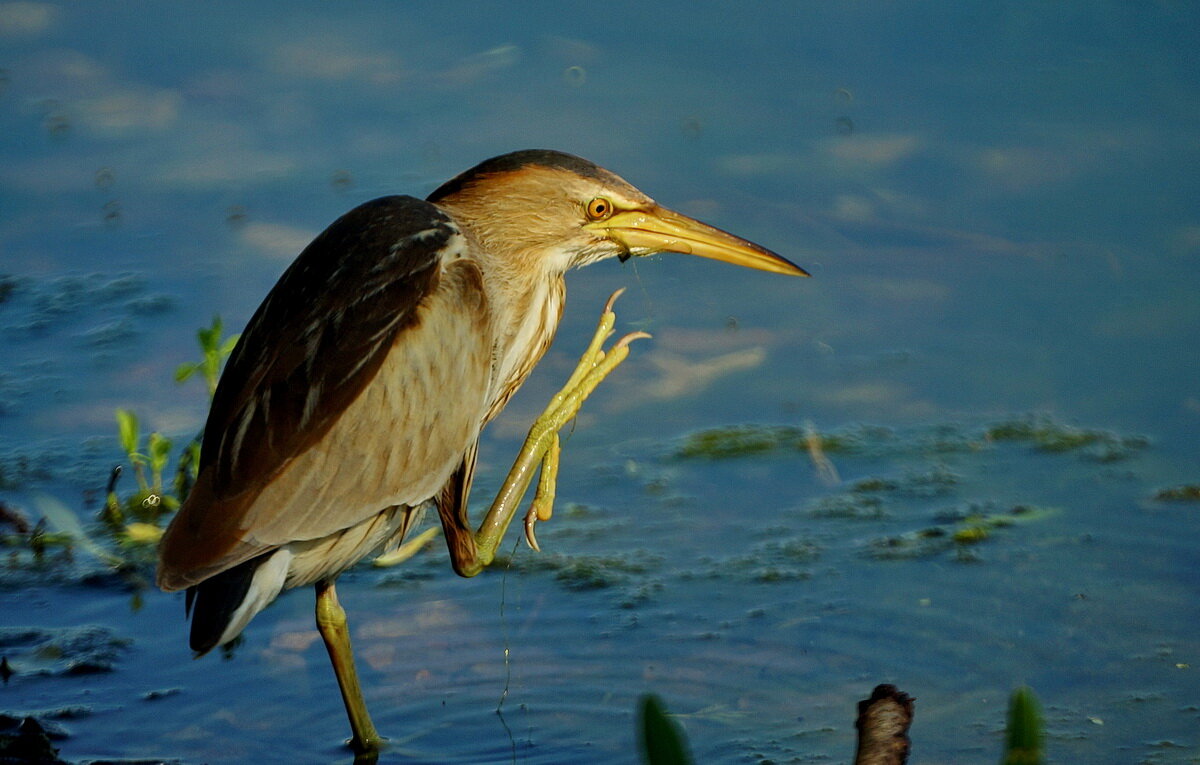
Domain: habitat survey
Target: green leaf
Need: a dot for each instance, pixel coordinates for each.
(1023, 743)
(184, 371)
(210, 336)
(663, 743)
(159, 450)
(229, 344)
(186, 472)
(193, 450)
(127, 431)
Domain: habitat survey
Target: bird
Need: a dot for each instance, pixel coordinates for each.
(356, 395)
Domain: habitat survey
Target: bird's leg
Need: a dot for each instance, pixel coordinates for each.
(331, 621)
(541, 446)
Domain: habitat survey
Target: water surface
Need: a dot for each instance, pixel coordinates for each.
(998, 207)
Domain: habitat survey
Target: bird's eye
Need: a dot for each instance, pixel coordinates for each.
(599, 208)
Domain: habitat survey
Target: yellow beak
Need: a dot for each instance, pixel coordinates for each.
(657, 229)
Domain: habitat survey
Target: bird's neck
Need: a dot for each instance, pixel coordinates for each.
(525, 310)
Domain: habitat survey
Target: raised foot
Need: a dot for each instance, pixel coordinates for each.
(595, 365)
(542, 445)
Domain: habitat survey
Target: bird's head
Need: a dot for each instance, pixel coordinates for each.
(555, 211)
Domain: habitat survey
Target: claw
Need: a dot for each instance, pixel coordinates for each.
(531, 520)
(613, 299)
(627, 339)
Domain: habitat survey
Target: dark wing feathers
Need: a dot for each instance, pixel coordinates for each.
(320, 336)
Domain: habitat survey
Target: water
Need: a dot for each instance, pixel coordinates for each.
(998, 207)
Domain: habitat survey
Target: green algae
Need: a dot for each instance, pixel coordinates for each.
(1184, 493)
(960, 528)
(592, 572)
(935, 482)
(735, 441)
(1048, 435)
(1043, 432)
(741, 441)
(851, 506)
(772, 561)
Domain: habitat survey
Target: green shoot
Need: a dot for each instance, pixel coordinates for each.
(128, 432)
(187, 471)
(1023, 741)
(159, 448)
(213, 351)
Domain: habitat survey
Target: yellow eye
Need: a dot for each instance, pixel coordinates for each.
(599, 208)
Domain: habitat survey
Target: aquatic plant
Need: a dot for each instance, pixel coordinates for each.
(662, 741)
(214, 350)
(1023, 739)
(138, 519)
(960, 530)
(1048, 435)
(149, 502)
(1185, 493)
(883, 723)
(1043, 432)
(133, 522)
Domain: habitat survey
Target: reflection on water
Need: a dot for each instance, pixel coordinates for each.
(998, 208)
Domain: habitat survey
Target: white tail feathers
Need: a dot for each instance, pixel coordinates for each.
(264, 587)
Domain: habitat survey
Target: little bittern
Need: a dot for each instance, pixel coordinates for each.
(356, 396)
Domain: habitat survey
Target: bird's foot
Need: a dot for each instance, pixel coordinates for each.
(595, 364)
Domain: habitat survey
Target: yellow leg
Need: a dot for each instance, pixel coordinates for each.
(542, 506)
(541, 445)
(331, 621)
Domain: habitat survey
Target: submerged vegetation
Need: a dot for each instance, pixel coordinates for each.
(1048, 435)
(1042, 432)
(1185, 493)
(958, 532)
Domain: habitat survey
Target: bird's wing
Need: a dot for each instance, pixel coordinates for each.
(320, 336)
(452, 509)
(299, 443)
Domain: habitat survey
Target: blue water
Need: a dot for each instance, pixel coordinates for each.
(998, 206)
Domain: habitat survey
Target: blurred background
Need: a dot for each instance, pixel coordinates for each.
(961, 458)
